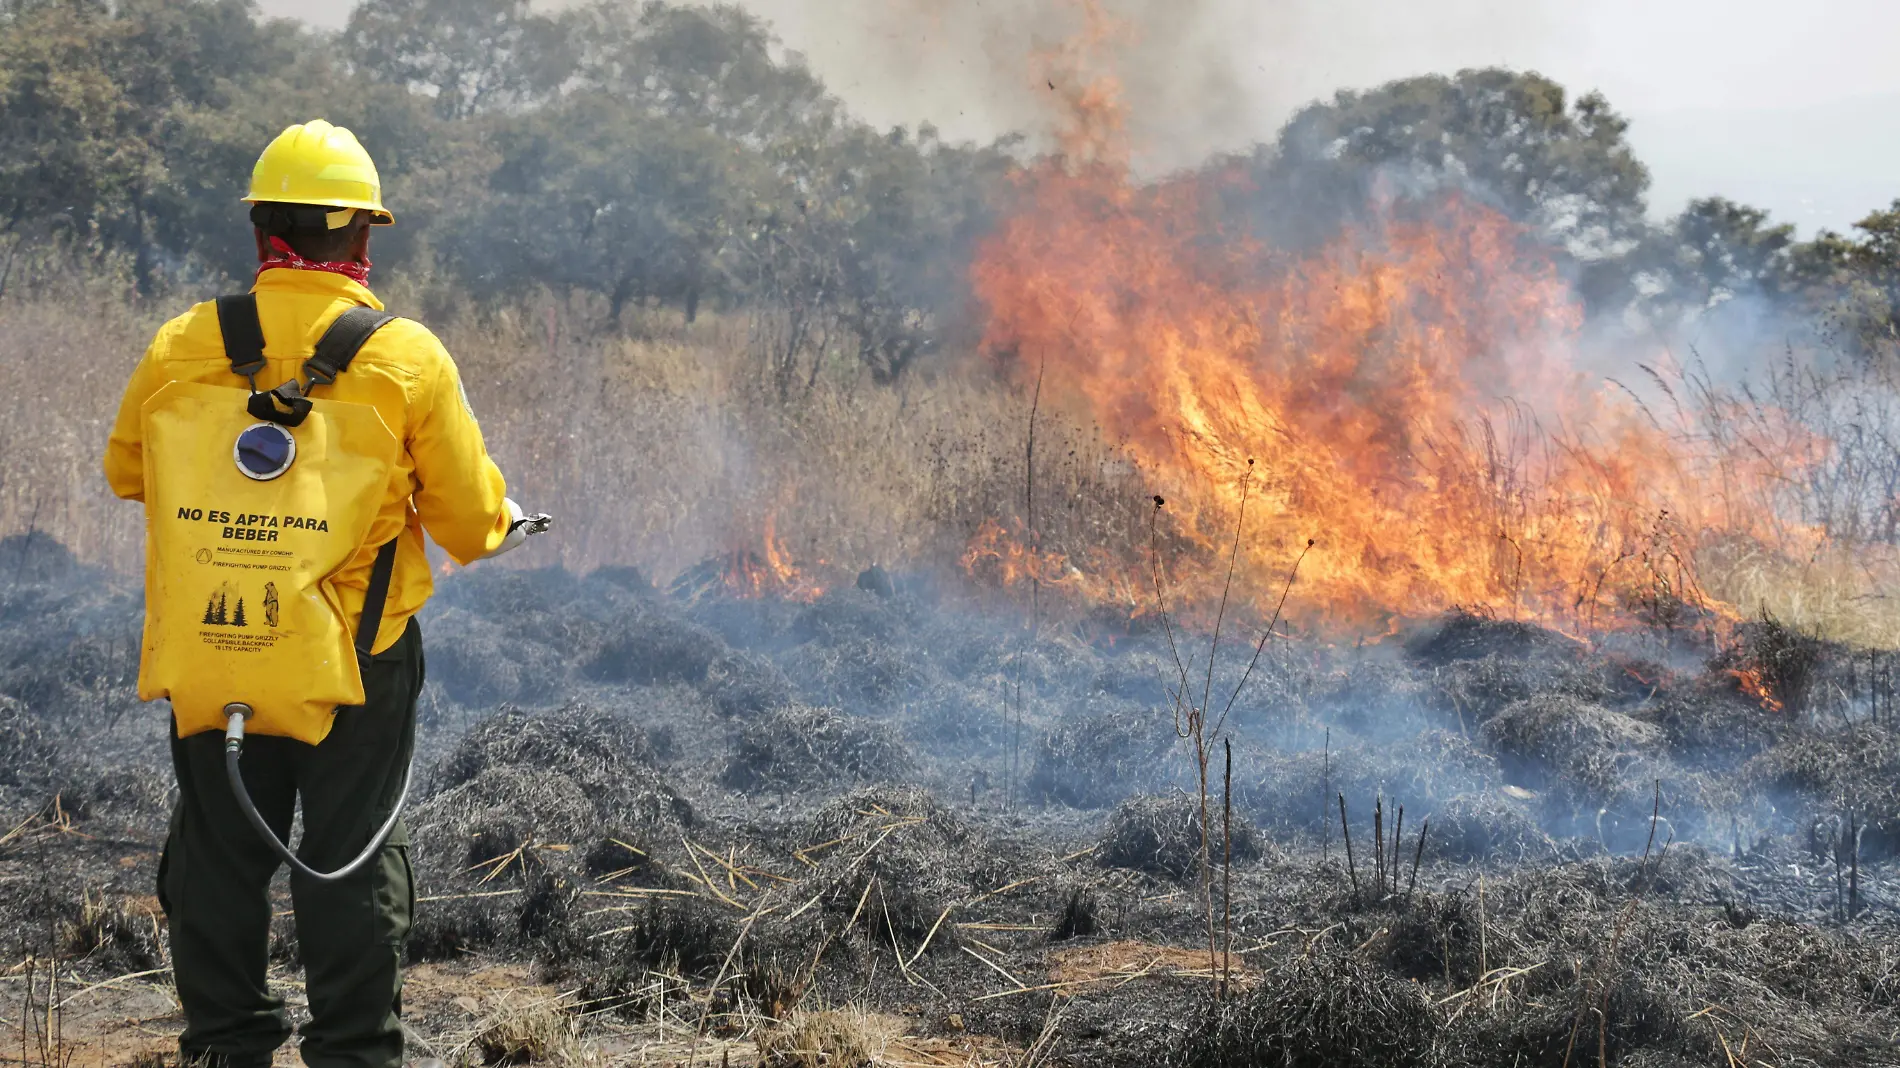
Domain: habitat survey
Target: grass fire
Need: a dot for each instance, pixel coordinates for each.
(1378, 591)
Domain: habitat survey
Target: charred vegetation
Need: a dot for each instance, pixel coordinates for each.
(1579, 866)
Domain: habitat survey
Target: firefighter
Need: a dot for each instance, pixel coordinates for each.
(315, 197)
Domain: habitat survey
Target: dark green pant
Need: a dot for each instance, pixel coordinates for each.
(215, 873)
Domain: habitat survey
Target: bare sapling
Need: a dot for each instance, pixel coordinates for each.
(1191, 716)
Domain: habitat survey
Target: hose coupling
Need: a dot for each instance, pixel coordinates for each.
(235, 714)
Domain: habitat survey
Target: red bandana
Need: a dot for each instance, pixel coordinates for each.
(285, 256)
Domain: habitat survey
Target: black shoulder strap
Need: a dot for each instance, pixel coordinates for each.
(243, 334)
(289, 403)
(342, 341)
(374, 599)
(335, 349)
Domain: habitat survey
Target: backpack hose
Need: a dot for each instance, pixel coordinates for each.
(234, 748)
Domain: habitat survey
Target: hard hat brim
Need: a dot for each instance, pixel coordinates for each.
(378, 216)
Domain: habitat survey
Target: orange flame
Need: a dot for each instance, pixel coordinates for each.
(1408, 396)
(1749, 680)
(1002, 555)
(770, 572)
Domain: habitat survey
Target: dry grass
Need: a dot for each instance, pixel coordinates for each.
(853, 1037)
(1839, 593)
(672, 446)
(831, 1038)
(661, 450)
(65, 353)
(526, 1027)
(1126, 959)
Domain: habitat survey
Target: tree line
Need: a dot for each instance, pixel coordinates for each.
(653, 154)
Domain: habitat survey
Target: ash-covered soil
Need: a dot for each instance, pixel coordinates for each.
(704, 814)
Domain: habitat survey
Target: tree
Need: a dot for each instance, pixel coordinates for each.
(72, 150)
(1513, 140)
(237, 619)
(623, 203)
(904, 216)
(710, 67)
(103, 110)
(1713, 252)
(1854, 283)
(470, 56)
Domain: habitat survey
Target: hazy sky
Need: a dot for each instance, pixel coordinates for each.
(1792, 106)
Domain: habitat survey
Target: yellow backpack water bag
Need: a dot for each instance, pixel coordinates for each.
(253, 504)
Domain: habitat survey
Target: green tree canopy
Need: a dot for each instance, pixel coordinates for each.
(469, 56)
(1717, 250)
(1515, 140)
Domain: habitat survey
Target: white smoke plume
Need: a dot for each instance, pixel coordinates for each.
(1197, 76)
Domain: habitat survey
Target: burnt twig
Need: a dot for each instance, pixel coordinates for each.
(1227, 871)
(1325, 787)
(1398, 832)
(1417, 855)
(1346, 830)
(1378, 844)
(1854, 829)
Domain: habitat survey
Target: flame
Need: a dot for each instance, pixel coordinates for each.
(1408, 397)
(1004, 555)
(769, 572)
(1750, 681)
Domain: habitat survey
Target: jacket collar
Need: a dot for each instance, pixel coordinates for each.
(288, 280)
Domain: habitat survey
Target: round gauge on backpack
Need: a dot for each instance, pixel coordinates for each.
(264, 451)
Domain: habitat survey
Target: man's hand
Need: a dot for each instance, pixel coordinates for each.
(521, 525)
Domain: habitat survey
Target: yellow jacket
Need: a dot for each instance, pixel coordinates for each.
(445, 481)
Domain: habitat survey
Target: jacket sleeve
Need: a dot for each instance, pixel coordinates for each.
(460, 494)
(125, 449)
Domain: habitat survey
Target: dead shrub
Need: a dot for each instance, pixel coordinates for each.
(1541, 737)
(649, 642)
(1161, 835)
(1474, 827)
(1316, 1010)
(799, 746)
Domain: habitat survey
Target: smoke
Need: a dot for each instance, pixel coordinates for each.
(1196, 76)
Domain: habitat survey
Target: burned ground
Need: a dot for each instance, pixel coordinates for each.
(675, 802)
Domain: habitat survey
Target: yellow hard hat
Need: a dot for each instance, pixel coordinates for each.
(321, 165)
